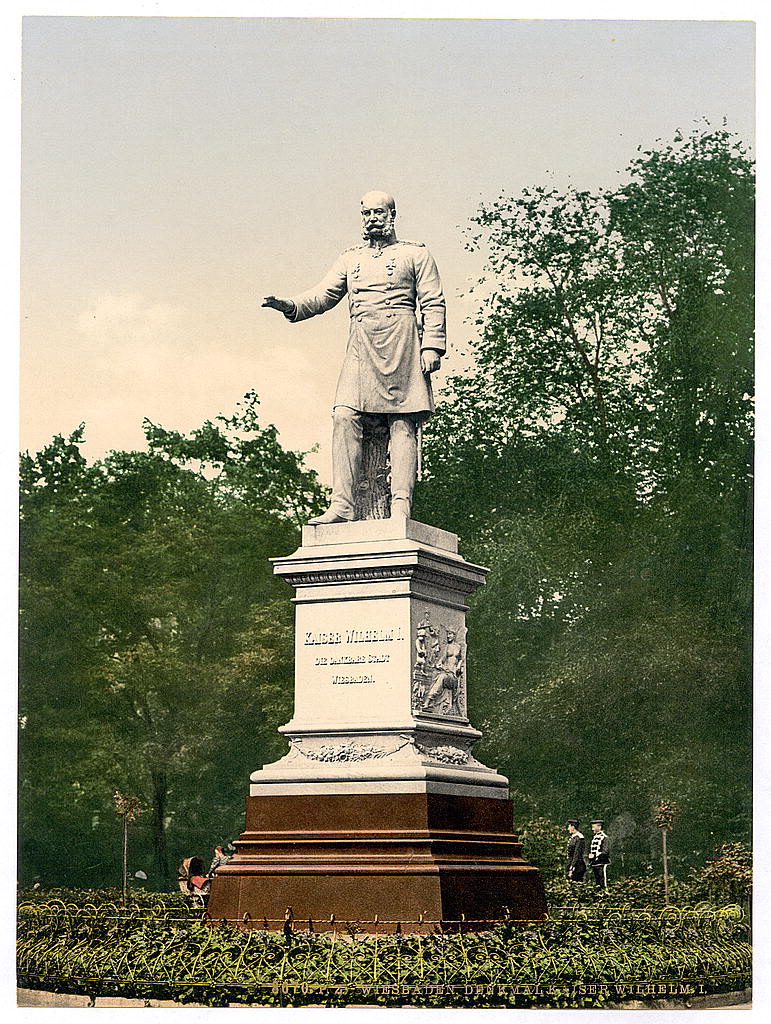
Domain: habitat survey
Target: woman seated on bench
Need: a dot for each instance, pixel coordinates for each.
(191, 877)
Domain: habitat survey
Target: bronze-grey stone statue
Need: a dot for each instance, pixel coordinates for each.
(397, 338)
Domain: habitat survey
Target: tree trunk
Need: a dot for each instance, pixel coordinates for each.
(160, 853)
(373, 495)
(666, 864)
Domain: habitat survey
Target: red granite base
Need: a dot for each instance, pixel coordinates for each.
(398, 856)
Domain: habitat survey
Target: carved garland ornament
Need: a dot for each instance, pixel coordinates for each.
(445, 753)
(345, 751)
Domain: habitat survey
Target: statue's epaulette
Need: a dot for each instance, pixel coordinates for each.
(406, 241)
(353, 248)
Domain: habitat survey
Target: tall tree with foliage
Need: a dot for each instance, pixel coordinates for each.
(597, 459)
(155, 642)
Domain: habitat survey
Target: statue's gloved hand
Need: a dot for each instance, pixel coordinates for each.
(282, 305)
(430, 360)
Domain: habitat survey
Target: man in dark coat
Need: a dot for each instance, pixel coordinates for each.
(599, 854)
(575, 866)
(389, 359)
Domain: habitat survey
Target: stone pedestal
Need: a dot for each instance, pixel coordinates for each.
(379, 807)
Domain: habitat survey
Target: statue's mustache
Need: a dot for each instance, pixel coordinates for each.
(377, 229)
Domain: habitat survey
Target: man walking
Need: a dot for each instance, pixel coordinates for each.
(575, 866)
(599, 854)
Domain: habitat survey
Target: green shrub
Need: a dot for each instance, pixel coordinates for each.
(728, 876)
(583, 956)
(544, 844)
(638, 893)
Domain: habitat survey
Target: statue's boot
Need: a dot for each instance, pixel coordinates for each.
(330, 516)
(400, 507)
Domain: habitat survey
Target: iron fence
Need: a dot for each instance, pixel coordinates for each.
(173, 949)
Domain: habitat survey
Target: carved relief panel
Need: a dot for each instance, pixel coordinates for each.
(439, 668)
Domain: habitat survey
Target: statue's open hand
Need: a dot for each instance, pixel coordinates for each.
(430, 360)
(282, 305)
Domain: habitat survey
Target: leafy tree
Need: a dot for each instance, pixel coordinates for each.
(597, 460)
(156, 643)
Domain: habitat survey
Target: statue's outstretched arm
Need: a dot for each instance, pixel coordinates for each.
(323, 296)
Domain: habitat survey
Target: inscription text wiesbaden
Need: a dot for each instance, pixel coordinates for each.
(353, 636)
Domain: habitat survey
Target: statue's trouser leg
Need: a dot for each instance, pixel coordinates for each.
(347, 433)
(404, 456)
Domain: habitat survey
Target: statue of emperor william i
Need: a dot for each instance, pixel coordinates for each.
(396, 341)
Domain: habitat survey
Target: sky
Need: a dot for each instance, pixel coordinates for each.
(175, 170)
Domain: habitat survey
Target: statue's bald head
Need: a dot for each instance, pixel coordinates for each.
(378, 214)
(375, 199)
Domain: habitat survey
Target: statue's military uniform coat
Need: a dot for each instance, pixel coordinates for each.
(381, 372)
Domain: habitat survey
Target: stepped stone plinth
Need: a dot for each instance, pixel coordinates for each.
(379, 807)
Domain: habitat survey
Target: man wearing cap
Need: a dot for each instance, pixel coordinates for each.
(389, 358)
(599, 854)
(574, 855)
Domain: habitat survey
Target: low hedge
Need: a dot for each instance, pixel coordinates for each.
(160, 947)
(627, 891)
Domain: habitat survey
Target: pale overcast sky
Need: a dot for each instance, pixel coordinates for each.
(175, 170)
